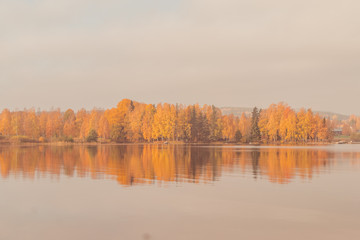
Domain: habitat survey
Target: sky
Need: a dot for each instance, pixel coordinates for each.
(241, 53)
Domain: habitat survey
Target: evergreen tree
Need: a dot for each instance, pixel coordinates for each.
(255, 131)
(238, 136)
(92, 136)
(204, 129)
(118, 134)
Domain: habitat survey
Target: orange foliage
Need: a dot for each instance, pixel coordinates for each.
(132, 121)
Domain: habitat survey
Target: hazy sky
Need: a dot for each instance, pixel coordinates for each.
(86, 53)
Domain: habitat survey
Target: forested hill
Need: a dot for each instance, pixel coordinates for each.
(238, 111)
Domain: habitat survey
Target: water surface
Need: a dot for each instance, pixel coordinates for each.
(180, 192)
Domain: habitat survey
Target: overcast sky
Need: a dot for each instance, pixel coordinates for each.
(91, 53)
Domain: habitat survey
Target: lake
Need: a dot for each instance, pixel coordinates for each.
(171, 192)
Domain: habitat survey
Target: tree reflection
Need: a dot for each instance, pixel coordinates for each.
(148, 164)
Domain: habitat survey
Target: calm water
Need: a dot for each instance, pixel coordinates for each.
(180, 192)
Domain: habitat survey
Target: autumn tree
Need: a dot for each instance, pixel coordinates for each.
(54, 124)
(70, 129)
(147, 122)
(31, 124)
(17, 119)
(104, 127)
(244, 127)
(182, 126)
(324, 133)
(229, 127)
(5, 122)
(213, 116)
(134, 123)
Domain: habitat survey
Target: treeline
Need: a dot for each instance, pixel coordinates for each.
(132, 121)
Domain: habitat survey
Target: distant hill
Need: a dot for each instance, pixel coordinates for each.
(238, 111)
(331, 114)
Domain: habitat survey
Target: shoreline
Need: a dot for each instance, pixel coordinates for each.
(60, 144)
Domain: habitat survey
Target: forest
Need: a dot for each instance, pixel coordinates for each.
(134, 122)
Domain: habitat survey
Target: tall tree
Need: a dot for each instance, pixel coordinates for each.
(147, 122)
(255, 131)
(5, 122)
(69, 123)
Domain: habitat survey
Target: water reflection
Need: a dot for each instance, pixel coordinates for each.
(147, 164)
